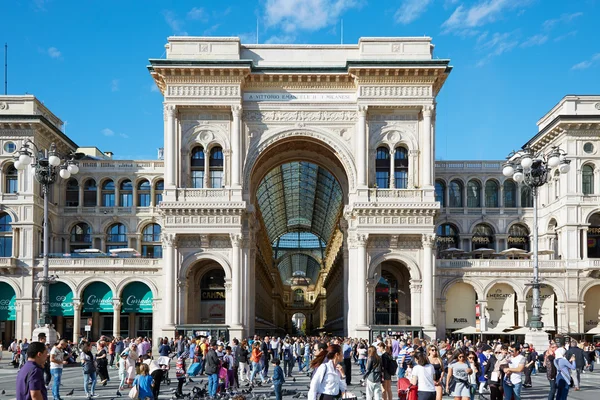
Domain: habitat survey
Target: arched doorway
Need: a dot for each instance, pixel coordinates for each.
(8, 312)
(501, 307)
(549, 307)
(518, 237)
(461, 299)
(136, 310)
(392, 297)
(591, 312)
(206, 300)
(300, 323)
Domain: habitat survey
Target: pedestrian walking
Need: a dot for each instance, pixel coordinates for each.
(212, 368)
(256, 365)
(102, 363)
(438, 366)
(513, 379)
(574, 350)
(144, 383)
(244, 358)
(89, 371)
(494, 374)
(30, 383)
(57, 362)
(563, 372)
(328, 380)
(549, 358)
(373, 375)
(278, 379)
(423, 375)
(457, 383)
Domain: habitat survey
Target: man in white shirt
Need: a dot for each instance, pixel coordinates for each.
(57, 361)
(513, 381)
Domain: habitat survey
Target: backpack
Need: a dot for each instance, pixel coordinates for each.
(392, 366)
(301, 350)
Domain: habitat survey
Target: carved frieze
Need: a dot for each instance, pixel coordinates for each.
(204, 91)
(306, 116)
(395, 91)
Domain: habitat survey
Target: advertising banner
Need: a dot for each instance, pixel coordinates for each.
(501, 306)
(137, 298)
(460, 306)
(61, 300)
(98, 297)
(8, 302)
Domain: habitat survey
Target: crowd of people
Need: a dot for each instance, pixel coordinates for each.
(422, 370)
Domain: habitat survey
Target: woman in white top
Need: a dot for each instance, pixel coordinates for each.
(423, 375)
(329, 380)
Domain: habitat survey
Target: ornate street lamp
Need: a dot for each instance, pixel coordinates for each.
(46, 165)
(532, 170)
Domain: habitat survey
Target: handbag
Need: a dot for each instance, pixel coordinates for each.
(134, 393)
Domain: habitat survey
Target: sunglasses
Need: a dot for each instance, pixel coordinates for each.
(471, 358)
(498, 352)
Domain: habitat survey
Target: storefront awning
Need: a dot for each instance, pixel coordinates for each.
(8, 302)
(98, 297)
(137, 298)
(61, 300)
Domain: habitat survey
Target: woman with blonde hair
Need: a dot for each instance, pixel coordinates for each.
(144, 383)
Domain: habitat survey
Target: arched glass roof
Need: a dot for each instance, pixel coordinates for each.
(300, 204)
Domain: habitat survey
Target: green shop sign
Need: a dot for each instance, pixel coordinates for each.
(137, 298)
(98, 297)
(8, 303)
(61, 300)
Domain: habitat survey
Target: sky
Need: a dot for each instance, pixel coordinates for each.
(513, 59)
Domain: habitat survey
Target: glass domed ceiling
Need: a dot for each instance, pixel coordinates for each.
(300, 204)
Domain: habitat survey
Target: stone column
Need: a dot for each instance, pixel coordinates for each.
(228, 297)
(116, 317)
(501, 195)
(392, 169)
(427, 149)
(357, 299)
(415, 302)
(169, 276)
(76, 319)
(584, 246)
(236, 287)
(206, 168)
(170, 147)
(428, 243)
(235, 146)
(361, 146)
(182, 288)
(371, 284)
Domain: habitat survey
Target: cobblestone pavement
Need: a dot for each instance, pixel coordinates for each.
(73, 377)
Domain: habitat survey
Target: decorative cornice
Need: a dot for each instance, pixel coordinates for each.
(305, 116)
(203, 91)
(395, 91)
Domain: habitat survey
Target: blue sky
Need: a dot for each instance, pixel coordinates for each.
(513, 59)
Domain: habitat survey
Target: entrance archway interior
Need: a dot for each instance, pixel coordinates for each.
(206, 294)
(392, 305)
(300, 191)
(299, 320)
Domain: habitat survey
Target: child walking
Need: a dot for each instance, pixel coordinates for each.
(278, 379)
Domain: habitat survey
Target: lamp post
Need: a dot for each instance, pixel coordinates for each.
(46, 164)
(532, 170)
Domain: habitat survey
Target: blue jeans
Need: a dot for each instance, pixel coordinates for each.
(552, 392)
(56, 375)
(361, 364)
(510, 391)
(277, 391)
(562, 389)
(401, 372)
(87, 378)
(213, 383)
(256, 369)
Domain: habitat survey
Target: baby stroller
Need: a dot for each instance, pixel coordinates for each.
(165, 365)
(406, 391)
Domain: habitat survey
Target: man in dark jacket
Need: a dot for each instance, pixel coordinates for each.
(579, 362)
(266, 357)
(211, 367)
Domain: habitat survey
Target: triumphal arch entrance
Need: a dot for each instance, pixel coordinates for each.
(298, 182)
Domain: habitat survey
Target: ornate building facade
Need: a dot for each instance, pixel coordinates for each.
(298, 184)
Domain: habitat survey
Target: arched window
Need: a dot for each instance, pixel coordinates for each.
(116, 237)
(216, 167)
(447, 236)
(72, 193)
(81, 237)
(587, 179)
(510, 194)
(386, 300)
(151, 242)
(473, 194)
(5, 235)
(593, 237)
(108, 194)
(11, 183)
(126, 194)
(90, 190)
(382, 168)
(440, 193)
(483, 237)
(491, 194)
(518, 237)
(455, 190)
(299, 296)
(401, 168)
(143, 194)
(159, 187)
(197, 167)
(212, 297)
(526, 197)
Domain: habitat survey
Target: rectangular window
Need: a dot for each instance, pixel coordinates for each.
(5, 246)
(152, 251)
(401, 179)
(89, 198)
(12, 184)
(216, 179)
(108, 200)
(197, 179)
(144, 200)
(126, 200)
(383, 179)
(72, 199)
(158, 199)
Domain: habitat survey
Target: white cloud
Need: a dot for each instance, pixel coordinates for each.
(497, 45)
(196, 13)
(210, 31)
(479, 14)
(565, 36)
(308, 15)
(535, 40)
(107, 132)
(564, 18)
(174, 23)
(54, 53)
(114, 85)
(410, 10)
(594, 60)
(285, 39)
(124, 136)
